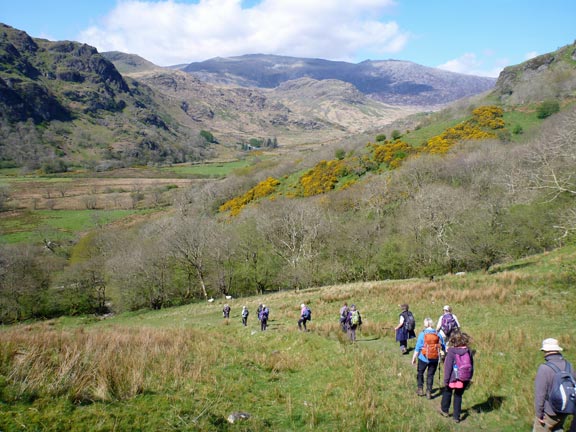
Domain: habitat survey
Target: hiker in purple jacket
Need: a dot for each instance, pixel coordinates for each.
(263, 316)
(546, 418)
(304, 317)
(452, 384)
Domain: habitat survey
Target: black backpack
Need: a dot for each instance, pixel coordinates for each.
(409, 321)
(562, 395)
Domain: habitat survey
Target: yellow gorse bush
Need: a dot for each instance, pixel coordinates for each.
(485, 117)
(323, 177)
(261, 190)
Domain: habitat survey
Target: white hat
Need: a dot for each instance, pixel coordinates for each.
(550, 345)
(446, 308)
(302, 305)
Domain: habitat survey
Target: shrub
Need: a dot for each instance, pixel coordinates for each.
(547, 108)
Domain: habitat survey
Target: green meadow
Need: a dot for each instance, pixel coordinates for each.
(188, 369)
(61, 224)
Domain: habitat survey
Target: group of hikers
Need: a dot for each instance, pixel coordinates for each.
(442, 346)
(554, 385)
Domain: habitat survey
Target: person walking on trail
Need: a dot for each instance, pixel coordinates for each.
(245, 314)
(305, 316)
(549, 415)
(405, 328)
(264, 313)
(226, 311)
(344, 316)
(259, 311)
(458, 373)
(429, 345)
(353, 322)
(447, 323)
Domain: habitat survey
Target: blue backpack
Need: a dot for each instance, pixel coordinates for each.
(307, 314)
(562, 395)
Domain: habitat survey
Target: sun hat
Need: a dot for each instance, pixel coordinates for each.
(550, 345)
(302, 305)
(446, 308)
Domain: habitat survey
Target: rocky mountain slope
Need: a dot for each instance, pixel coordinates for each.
(549, 76)
(391, 81)
(62, 103)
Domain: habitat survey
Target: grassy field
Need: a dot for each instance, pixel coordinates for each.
(30, 226)
(187, 369)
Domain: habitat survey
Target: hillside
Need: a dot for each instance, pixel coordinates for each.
(303, 111)
(63, 104)
(549, 76)
(391, 81)
(188, 369)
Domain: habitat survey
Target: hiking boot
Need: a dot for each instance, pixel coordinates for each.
(420, 392)
(428, 394)
(443, 413)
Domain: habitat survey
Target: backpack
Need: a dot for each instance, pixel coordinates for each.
(431, 348)
(464, 368)
(307, 314)
(448, 324)
(355, 318)
(409, 321)
(562, 395)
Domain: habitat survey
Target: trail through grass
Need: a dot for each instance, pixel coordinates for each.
(187, 368)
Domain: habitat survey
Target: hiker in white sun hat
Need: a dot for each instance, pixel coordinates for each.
(551, 411)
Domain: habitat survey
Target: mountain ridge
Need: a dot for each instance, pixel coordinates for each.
(397, 82)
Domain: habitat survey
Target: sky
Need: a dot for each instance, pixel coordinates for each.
(465, 36)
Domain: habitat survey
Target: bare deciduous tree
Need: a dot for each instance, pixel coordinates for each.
(295, 230)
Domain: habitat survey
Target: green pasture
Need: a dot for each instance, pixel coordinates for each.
(285, 379)
(208, 169)
(29, 226)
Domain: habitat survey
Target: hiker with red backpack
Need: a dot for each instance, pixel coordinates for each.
(428, 348)
(447, 323)
(555, 397)
(458, 372)
(405, 328)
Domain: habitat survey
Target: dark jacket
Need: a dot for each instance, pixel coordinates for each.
(450, 360)
(543, 384)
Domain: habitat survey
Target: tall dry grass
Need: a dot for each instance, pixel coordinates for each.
(105, 365)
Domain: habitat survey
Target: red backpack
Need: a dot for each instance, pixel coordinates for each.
(431, 348)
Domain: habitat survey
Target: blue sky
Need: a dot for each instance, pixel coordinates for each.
(467, 36)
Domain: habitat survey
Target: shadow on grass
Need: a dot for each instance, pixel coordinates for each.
(493, 403)
(368, 339)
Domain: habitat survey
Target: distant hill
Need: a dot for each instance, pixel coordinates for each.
(129, 63)
(391, 81)
(299, 111)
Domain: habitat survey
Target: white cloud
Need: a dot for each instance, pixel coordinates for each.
(470, 64)
(170, 32)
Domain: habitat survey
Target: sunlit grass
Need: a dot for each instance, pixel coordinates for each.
(187, 369)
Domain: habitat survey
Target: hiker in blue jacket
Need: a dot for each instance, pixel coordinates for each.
(428, 350)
